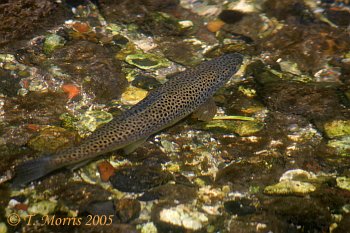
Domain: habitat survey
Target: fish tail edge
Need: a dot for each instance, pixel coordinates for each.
(32, 170)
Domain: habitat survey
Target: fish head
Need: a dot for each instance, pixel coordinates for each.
(228, 64)
(219, 70)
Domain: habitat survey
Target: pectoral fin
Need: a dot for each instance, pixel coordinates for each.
(206, 111)
(133, 146)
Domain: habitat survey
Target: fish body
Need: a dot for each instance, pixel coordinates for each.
(163, 107)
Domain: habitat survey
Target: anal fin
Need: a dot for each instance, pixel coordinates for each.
(206, 111)
(75, 166)
(133, 146)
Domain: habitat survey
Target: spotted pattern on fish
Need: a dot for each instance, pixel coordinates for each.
(164, 106)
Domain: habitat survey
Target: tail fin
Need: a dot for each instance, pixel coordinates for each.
(32, 170)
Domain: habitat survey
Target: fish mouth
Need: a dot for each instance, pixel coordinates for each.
(237, 58)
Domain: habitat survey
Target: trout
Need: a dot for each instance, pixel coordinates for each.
(187, 92)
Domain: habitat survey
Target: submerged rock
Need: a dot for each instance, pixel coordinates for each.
(52, 138)
(338, 16)
(93, 66)
(139, 178)
(127, 209)
(182, 52)
(313, 101)
(231, 16)
(179, 192)
(161, 23)
(145, 82)
(240, 207)
(76, 195)
(41, 108)
(285, 9)
(309, 214)
(100, 208)
(21, 19)
(9, 85)
(131, 10)
(287, 43)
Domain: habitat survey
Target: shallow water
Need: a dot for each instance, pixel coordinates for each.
(274, 159)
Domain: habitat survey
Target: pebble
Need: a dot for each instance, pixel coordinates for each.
(71, 89)
(215, 25)
(127, 209)
(106, 170)
(240, 207)
(149, 228)
(3, 227)
(183, 216)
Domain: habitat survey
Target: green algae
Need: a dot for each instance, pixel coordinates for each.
(68, 121)
(290, 67)
(254, 189)
(341, 145)
(114, 28)
(51, 138)
(7, 57)
(133, 95)
(146, 61)
(148, 228)
(53, 42)
(337, 128)
(91, 120)
(293, 182)
(42, 207)
(266, 75)
(241, 118)
(3, 227)
(38, 85)
(128, 49)
(185, 24)
(290, 187)
(343, 183)
(249, 92)
(242, 128)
